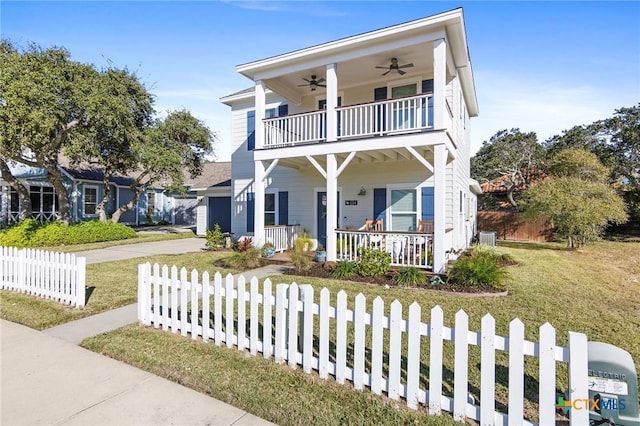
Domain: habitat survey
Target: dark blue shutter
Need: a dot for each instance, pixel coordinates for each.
(251, 130)
(427, 203)
(283, 208)
(250, 210)
(380, 94)
(283, 110)
(427, 87)
(380, 204)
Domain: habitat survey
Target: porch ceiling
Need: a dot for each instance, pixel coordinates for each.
(361, 70)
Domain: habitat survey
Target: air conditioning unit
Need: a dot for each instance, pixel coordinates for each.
(488, 238)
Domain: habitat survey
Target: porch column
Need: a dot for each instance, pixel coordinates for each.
(259, 115)
(439, 83)
(439, 210)
(332, 206)
(258, 203)
(332, 102)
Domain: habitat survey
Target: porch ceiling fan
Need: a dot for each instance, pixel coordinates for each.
(314, 83)
(395, 67)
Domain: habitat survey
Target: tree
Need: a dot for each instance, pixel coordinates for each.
(121, 111)
(40, 94)
(23, 192)
(511, 154)
(620, 136)
(169, 149)
(578, 163)
(576, 199)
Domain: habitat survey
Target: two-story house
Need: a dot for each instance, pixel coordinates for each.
(369, 129)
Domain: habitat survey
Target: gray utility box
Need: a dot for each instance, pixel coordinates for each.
(613, 386)
(488, 238)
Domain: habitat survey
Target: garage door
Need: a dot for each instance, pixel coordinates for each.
(219, 211)
(185, 210)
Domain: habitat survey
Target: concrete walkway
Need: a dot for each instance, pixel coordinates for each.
(46, 379)
(130, 251)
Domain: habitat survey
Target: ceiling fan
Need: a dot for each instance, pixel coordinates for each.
(314, 83)
(395, 67)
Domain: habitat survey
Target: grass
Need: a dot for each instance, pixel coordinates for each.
(109, 285)
(595, 290)
(143, 237)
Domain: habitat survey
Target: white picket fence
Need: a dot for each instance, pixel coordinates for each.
(50, 275)
(282, 325)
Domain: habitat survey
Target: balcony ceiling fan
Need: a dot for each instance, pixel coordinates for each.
(395, 67)
(314, 83)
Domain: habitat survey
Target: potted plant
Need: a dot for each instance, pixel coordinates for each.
(321, 254)
(268, 250)
(303, 242)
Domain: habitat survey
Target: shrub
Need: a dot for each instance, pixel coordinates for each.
(373, 262)
(20, 234)
(243, 244)
(344, 269)
(215, 238)
(409, 277)
(245, 259)
(300, 261)
(30, 233)
(479, 268)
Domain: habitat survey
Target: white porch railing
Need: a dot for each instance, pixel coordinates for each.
(295, 129)
(299, 327)
(390, 116)
(405, 248)
(376, 118)
(282, 237)
(50, 275)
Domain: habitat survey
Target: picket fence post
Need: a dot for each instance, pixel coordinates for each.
(294, 309)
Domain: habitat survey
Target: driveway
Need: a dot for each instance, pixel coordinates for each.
(130, 251)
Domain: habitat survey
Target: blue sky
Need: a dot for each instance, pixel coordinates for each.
(539, 66)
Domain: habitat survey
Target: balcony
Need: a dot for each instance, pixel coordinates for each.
(393, 116)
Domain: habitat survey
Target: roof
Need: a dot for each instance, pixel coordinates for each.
(499, 185)
(448, 24)
(214, 174)
(92, 172)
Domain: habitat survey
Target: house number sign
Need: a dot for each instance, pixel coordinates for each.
(350, 202)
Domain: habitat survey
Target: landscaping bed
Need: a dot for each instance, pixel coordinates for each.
(324, 270)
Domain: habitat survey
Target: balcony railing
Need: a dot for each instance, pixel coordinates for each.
(282, 237)
(392, 116)
(405, 248)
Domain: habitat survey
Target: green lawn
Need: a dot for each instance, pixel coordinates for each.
(595, 290)
(143, 237)
(109, 285)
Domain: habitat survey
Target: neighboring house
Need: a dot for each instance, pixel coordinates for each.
(374, 126)
(85, 187)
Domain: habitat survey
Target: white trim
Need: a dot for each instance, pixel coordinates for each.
(84, 200)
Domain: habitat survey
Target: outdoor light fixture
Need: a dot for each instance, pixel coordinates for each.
(362, 191)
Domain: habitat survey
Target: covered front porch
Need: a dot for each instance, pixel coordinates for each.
(403, 177)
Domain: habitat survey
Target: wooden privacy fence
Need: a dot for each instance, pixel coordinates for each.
(364, 347)
(50, 275)
(512, 226)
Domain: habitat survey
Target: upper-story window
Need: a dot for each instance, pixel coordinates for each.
(280, 111)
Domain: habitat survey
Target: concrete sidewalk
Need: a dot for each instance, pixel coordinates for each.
(76, 331)
(47, 381)
(130, 251)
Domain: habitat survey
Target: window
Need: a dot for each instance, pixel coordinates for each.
(270, 209)
(151, 203)
(404, 208)
(90, 200)
(404, 116)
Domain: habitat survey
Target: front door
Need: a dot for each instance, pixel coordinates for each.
(321, 216)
